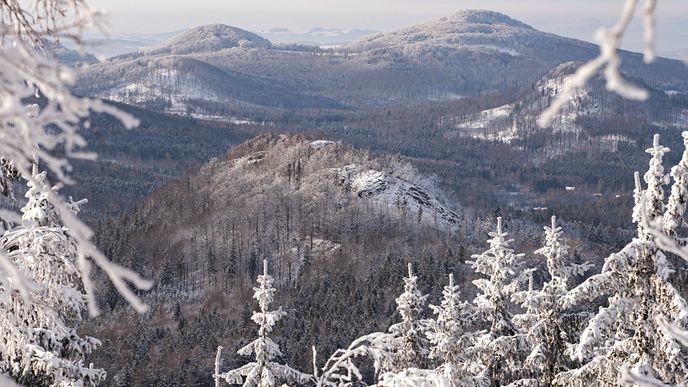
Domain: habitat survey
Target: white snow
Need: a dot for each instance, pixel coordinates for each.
(369, 182)
(503, 50)
(486, 117)
(318, 144)
(386, 190)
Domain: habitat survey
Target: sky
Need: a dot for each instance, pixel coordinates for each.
(573, 18)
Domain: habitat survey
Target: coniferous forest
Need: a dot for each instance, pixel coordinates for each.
(470, 200)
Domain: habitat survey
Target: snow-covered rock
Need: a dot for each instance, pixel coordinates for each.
(318, 144)
(423, 203)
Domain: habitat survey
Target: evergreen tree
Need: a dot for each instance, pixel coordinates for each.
(678, 199)
(413, 347)
(402, 348)
(497, 349)
(264, 372)
(450, 338)
(231, 265)
(40, 345)
(545, 322)
(628, 334)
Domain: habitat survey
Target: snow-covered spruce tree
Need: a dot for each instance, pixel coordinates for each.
(450, 339)
(497, 350)
(40, 345)
(263, 372)
(341, 368)
(410, 333)
(545, 322)
(628, 334)
(400, 353)
(41, 117)
(678, 199)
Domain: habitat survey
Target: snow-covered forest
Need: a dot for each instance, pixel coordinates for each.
(299, 260)
(515, 332)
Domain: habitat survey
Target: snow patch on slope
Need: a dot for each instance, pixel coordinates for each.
(485, 118)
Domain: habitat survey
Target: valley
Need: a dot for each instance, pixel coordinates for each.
(338, 165)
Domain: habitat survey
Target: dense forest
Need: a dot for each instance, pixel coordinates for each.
(455, 203)
(338, 255)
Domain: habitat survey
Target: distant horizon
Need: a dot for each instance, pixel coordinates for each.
(579, 21)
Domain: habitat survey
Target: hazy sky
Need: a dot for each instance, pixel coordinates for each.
(575, 18)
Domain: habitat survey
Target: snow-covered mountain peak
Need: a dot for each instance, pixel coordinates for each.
(470, 29)
(482, 16)
(209, 38)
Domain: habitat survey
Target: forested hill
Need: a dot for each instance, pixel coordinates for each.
(220, 70)
(131, 163)
(338, 227)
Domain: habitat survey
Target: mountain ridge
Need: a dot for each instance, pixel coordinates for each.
(207, 38)
(470, 53)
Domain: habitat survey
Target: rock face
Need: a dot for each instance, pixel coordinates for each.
(385, 189)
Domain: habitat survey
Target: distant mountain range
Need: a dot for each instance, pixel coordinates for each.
(122, 43)
(218, 69)
(117, 44)
(458, 96)
(317, 36)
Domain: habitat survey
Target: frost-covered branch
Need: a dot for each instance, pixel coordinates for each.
(264, 371)
(413, 377)
(646, 314)
(609, 60)
(218, 360)
(48, 128)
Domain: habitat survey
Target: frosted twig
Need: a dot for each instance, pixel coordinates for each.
(50, 131)
(609, 60)
(634, 378)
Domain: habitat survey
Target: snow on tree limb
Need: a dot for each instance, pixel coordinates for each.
(609, 60)
(40, 343)
(29, 130)
(413, 377)
(218, 360)
(264, 371)
(646, 315)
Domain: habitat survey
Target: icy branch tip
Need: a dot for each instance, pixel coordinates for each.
(636, 176)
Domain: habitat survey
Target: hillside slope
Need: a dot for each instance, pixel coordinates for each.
(470, 53)
(338, 227)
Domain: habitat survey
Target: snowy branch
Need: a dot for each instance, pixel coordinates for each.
(609, 61)
(29, 130)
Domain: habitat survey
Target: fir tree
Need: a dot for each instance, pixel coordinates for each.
(450, 337)
(413, 347)
(403, 347)
(40, 345)
(264, 372)
(498, 348)
(678, 199)
(628, 334)
(545, 322)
